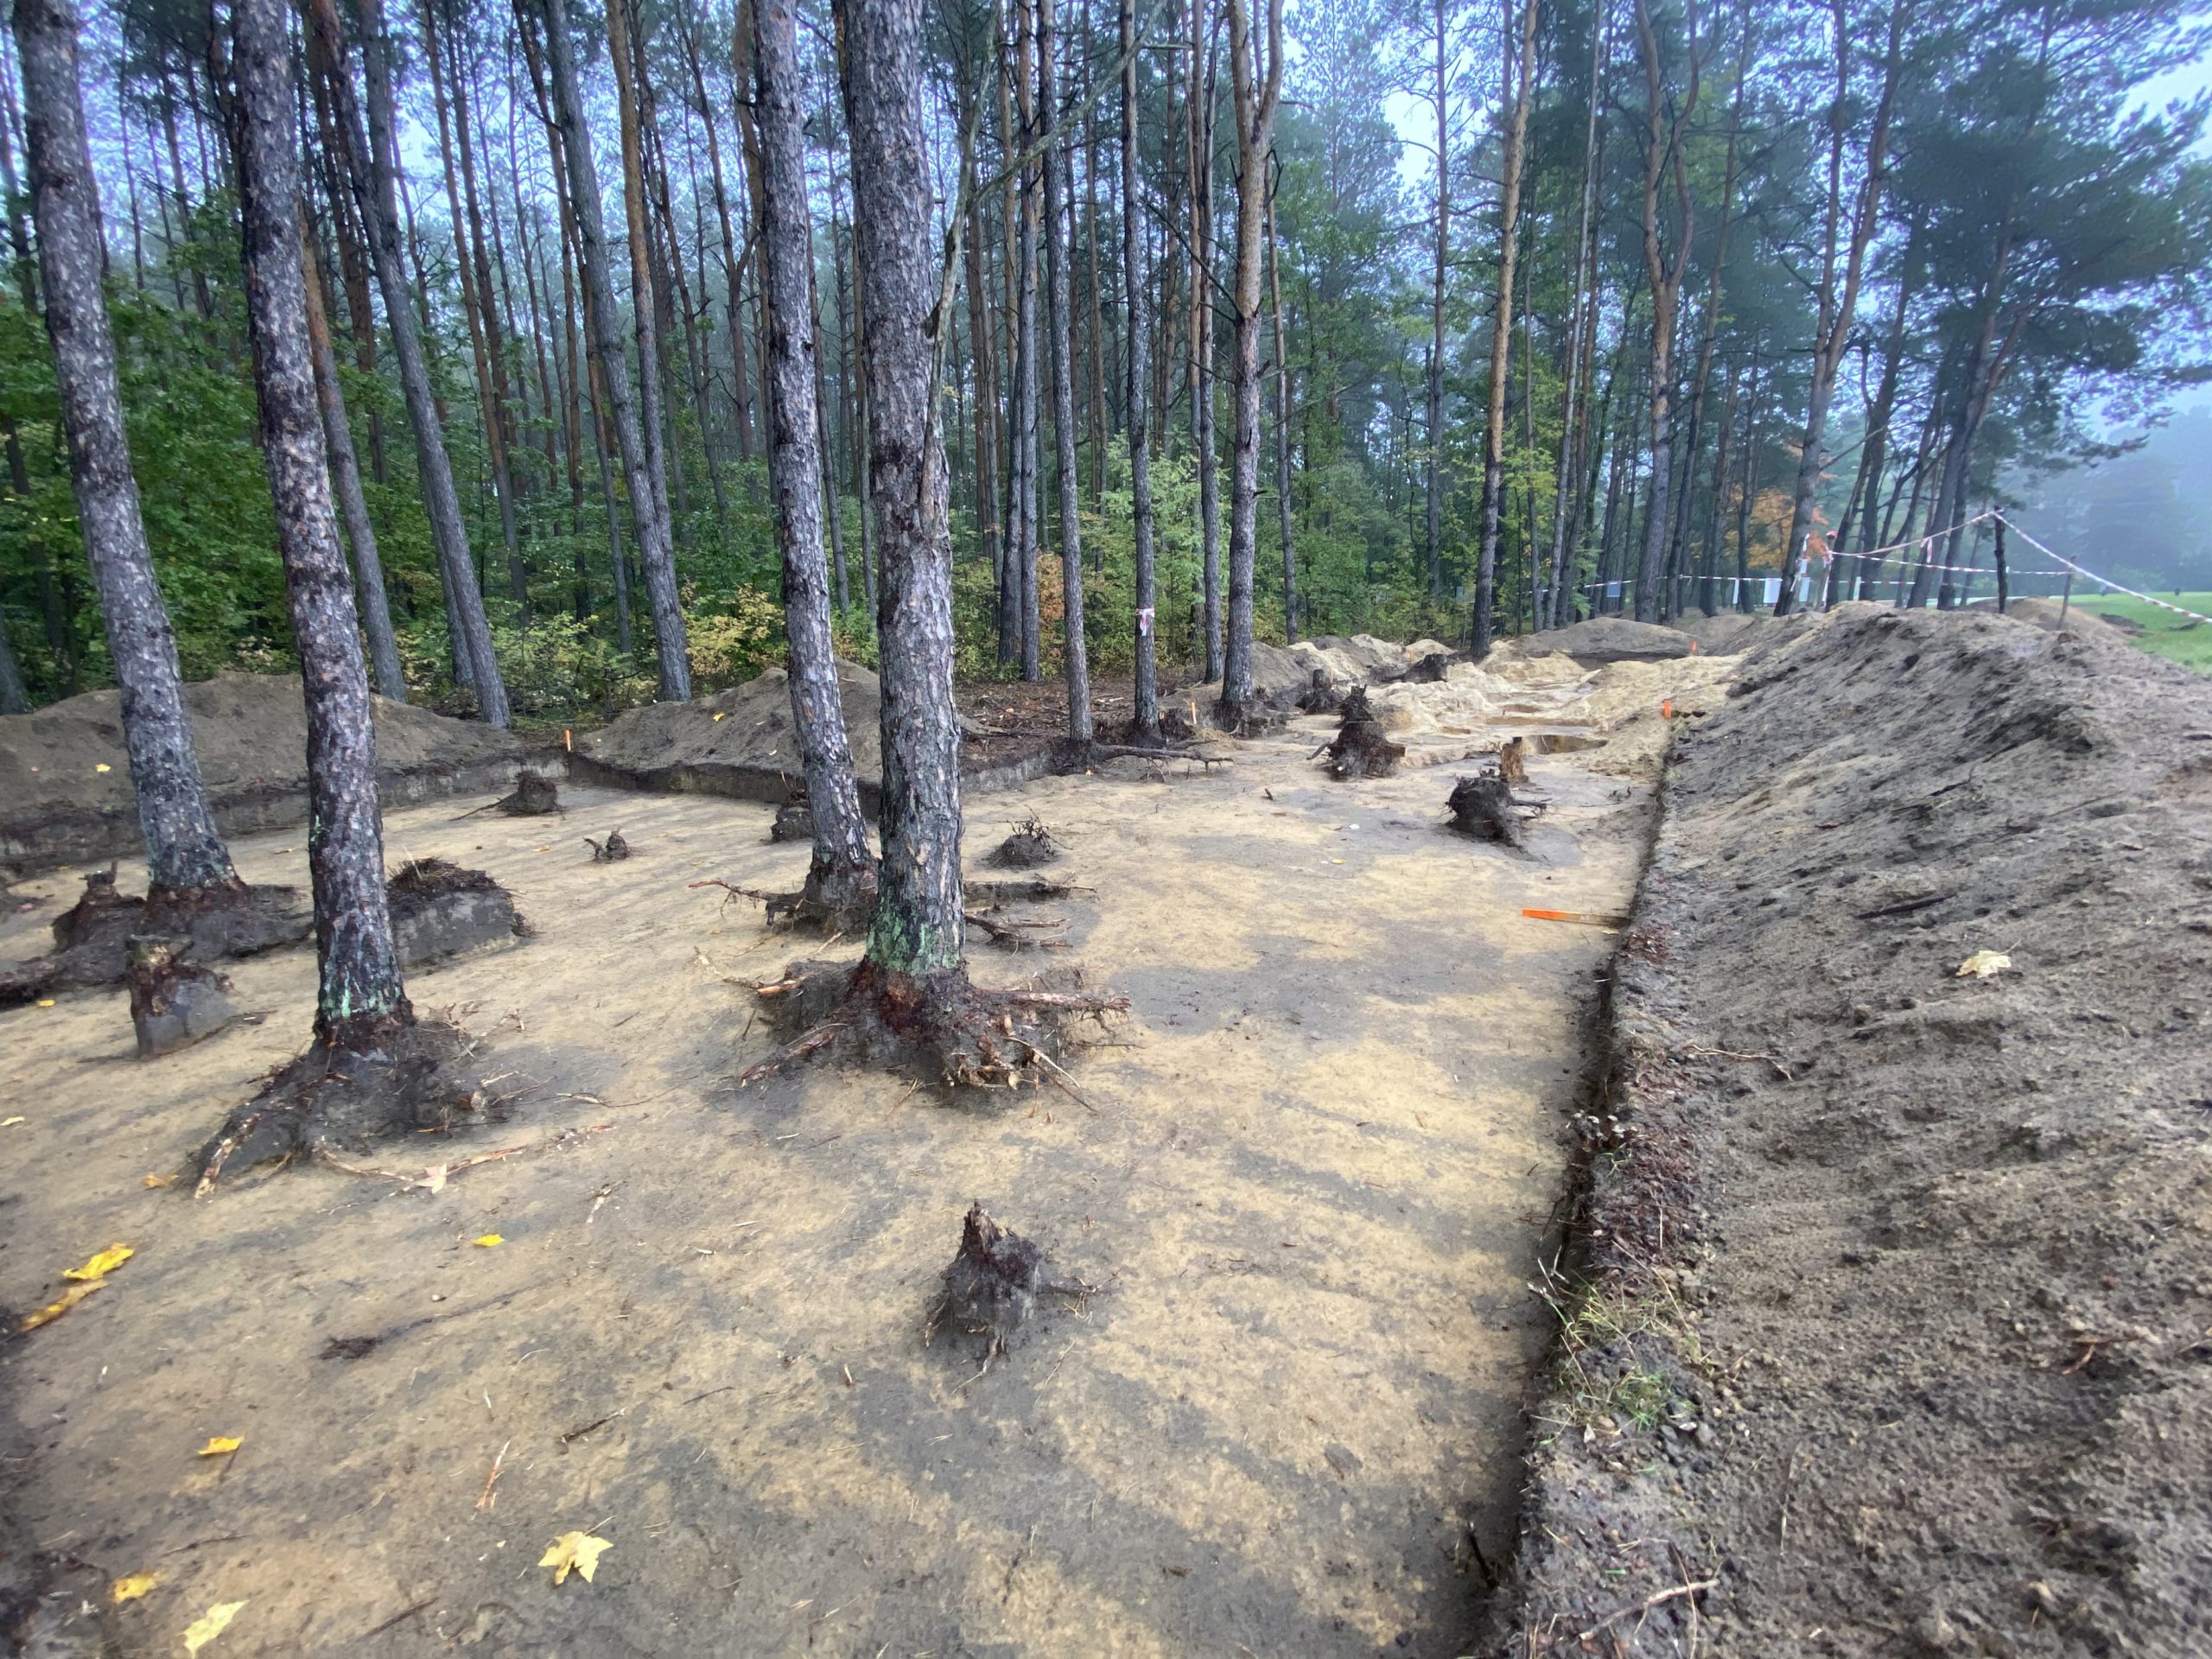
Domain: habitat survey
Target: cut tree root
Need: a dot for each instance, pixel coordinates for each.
(1018, 935)
(1513, 760)
(417, 1080)
(1030, 844)
(1360, 749)
(613, 850)
(993, 1283)
(1320, 697)
(1035, 888)
(794, 818)
(174, 1002)
(938, 1028)
(93, 937)
(533, 798)
(832, 901)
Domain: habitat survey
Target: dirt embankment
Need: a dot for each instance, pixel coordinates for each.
(1893, 1330)
(65, 781)
(744, 744)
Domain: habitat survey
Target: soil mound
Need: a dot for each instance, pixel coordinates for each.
(1889, 1310)
(2045, 613)
(1603, 639)
(65, 781)
(743, 743)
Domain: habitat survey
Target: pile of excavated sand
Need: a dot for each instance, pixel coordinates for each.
(1466, 699)
(1602, 639)
(65, 781)
(1896, 1223)
(741, 742)
(2045, 613)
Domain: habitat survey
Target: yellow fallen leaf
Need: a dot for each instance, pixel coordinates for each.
(54, 1310)
(136, 1585)
(721, 713)
(160, 1180)
(102, 766)
(209, 1624)
(46, 1002)
(485, 1243)
(103, 1264)
(10, 1122)
(221, 1445)
(575, 1549)
(1983, 964)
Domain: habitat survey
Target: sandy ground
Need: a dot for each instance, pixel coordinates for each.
(1312, 1178)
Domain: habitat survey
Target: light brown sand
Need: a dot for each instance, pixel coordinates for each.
(1313, 1183)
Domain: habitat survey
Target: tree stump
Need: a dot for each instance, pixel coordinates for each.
(174, 1002)
(1482, 806)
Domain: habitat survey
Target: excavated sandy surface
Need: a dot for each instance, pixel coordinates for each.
(1311, 1180)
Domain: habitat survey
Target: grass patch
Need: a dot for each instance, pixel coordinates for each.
(2179, 638)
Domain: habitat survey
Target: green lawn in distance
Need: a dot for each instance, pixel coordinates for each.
(2180, 637)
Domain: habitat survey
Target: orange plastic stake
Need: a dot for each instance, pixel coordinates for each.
(1587, 917)
(1666, 709)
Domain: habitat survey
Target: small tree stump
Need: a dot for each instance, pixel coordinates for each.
(993, 1283)
(1361, 749)
(610, 851)
(1482, 806)
(1030, 845)
(1513, 761)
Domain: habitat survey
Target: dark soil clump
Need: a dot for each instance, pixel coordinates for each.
(992, 1284)
(534, 796)
(794, 820)
(440, 910)
(337, 1102)
(1031, 846)
(174, 1002)
(938, 1029)
(1360, 749)
(1319, 697)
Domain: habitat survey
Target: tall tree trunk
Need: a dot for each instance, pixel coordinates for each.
(374, 174)
(1839, 302)
(360, 999)
(980, 336)
(1028, 410)
(1144, 725)
(1258, 89)
(185, 854)
(1058, 201)
(346, 479)
(1434, 483)
(733, 259)
(1282, 429)
(1205, 445)
(842, 873)
(1520, 70)
(636, 437)
(918, 931)
(1582, 330)
(1666, 132)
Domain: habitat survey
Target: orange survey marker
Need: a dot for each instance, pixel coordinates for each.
(1666, 709)
(1587, 917)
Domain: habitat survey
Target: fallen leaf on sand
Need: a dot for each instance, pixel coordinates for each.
(209, 1624)
(434, 1179)
(10, 1122)
(136, 1585)
(102, 766)
(221, 1445)
(488, 1242)
(46, 1002)
(54, 1310)
(575, 1549)
(722, 714)
(102, 1265)
(160, 1180)
(1983, 964)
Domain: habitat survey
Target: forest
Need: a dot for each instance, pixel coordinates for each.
(1412, 320)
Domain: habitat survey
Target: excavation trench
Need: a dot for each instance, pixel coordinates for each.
(1308, 1180)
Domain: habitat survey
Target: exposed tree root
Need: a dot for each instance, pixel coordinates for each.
(1319, 697)
(416, 1079)
(93, 937)
(1513, 760)
(613, 850)
(533, 798)
(1033, 888)
(441, 909)
(174, 1002)
(1484, 806)
(993, 1283)
(794, 818)
(938, 1028)
(1360, 749)
(1030, 845)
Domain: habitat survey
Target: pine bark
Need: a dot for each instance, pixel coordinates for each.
(1144, 726)
(184, 852)
(842, 865)
(917, 929)
(360, 998)
(1666, 127)
(636, 438)
(1058, 199)
(1258, 89)
(1282, 429)
(1204, 443)
(1435, 470)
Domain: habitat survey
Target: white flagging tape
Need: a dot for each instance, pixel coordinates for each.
(2105, 581)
